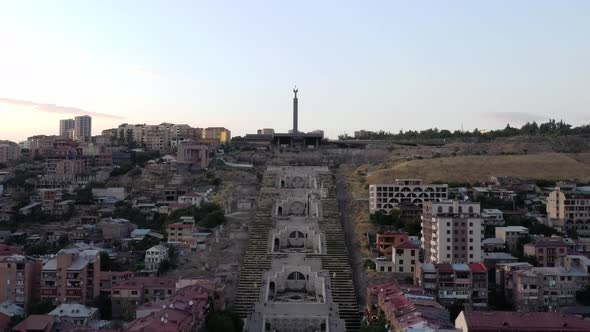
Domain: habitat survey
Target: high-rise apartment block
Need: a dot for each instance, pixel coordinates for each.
(19, 276)
(451, 232)
(66, 128)
(9, 151)
(569, 209)
(386, 197)
(72, 276)
(82, 128)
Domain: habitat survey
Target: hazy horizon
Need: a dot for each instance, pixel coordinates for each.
(358, 65)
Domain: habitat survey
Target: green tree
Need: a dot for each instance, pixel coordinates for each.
(40, 307)
(104, 305)
(224, 321)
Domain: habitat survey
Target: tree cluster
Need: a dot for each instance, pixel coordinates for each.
(549, 128)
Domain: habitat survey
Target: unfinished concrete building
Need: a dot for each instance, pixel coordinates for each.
(296, 275)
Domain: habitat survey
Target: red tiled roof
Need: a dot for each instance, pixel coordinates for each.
(444, 267)
(531, 321)
(165, 320)
(478, 267)
(6, 250)
(35, 323)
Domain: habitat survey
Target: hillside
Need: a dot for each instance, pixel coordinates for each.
(549, 166)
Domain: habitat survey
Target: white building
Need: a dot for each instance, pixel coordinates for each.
(74, 313)
(154, 257)
(385, 197)
(451, 232)
(195, 199)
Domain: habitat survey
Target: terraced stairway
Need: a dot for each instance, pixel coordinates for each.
(336, 261)
(256, 260)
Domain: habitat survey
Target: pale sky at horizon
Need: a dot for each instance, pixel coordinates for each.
(371, 65)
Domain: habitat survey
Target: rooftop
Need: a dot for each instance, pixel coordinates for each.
(531, 321)
(35, 323)
(73, 310)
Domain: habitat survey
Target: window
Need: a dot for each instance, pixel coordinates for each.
(470, 239)
(448, 255)
(413, 262)
(470, 224)
(471, 209)
(383, 269)
(470, 255)
(460, 209)
(470, 232)
(134, 292)
(448, 247)
(389, 269)
(456, 247)
(413, 252)
(401, 269)
(470, 247)
(401, 261)
(448, 231)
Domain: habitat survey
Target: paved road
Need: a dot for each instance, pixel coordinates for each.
(356, 261)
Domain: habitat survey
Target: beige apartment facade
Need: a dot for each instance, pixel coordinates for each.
(451, 232)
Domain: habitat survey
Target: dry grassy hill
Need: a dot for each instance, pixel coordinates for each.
(549, 166)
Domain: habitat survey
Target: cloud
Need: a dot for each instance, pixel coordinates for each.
(52, 108)
(144, 72)
(516, 117)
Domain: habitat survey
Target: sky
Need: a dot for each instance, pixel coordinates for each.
(370, 65)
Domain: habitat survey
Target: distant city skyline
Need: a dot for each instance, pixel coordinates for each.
(370, 65)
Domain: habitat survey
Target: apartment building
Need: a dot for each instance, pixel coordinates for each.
(386, 197)
(156, 138)
(492, 217)
(19, 276)
(220, 133)
(67, 167)
(570, 209)
(386, 240)
(116, 229)
(72, 276)
(511, 235)
(404, 257)
(82, 128)
(454, 283)
(9, 151)
(108, 278)
(66, 128)
(451, 232)
(126, 295)
(546, 288)
(182, 231)
(191, 154)
(549, 251)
